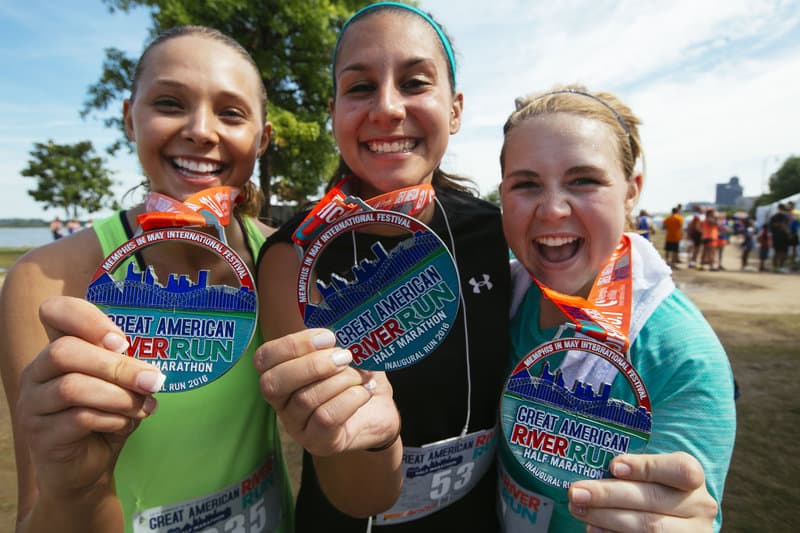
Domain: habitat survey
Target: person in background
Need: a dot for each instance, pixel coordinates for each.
(710, 232)
(569, 183)
(644, 224)
(764, 246)
(779, 231)
(56, 228)
(73, 225)
(748, 240)
(695, 233)
(722, 240)
(673, 225)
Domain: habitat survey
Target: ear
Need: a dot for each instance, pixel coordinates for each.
(127, 120)
(634, 190)
(331, 109)
(456, 108)
(266, 135)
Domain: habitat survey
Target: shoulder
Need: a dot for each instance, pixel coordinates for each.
(64, 266)
(677, 339)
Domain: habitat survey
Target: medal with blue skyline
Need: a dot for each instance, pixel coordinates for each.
(192, 330)
(395, 306)
(562, 432)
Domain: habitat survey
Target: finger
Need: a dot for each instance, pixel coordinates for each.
(70, 354)
(293, 346)
(678, 469)
(629, 495)
(628, 521)
(54, 434)
(329, 429)
(80, 390)
(303, 403)
(280, 382)
(65, 315)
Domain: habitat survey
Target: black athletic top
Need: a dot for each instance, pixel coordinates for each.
(431, 395)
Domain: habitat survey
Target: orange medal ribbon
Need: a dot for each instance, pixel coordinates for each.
(606, 314)
(209, 207)
(336, 203)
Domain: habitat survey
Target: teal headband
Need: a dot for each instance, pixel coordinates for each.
(442, 37)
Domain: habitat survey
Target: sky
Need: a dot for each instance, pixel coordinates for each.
(715, 83)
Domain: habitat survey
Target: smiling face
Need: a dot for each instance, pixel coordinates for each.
(565, 198)
(196, 116)
(394, 108)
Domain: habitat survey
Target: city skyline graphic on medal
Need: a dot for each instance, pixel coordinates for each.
(191, 330)
(395, 306)
(563, 432)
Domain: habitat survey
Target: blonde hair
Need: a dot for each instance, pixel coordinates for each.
(577, 100)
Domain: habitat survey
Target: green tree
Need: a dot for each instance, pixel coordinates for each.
(70, 177)
(291, 42)
(786, 181)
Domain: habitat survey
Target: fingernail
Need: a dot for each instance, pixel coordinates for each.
(150, 381)
(341, 357)
(150, 405)
(115, 343)
(620, 469)
(323, 339)
(578, 510)
(580, 496)
(371, 385)
(594, 529)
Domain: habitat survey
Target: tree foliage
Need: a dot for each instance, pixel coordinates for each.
(70, 177)
(786, 181)
(291, 42)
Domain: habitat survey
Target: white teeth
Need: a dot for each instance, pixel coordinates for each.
(555, 241)
(197, 166)
(405, 145)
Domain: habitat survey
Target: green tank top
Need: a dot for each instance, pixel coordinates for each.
(209, 459)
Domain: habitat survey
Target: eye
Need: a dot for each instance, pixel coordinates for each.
(167, 104)
(416, 83)
(585, 181)
(361, 87)
(233, 114)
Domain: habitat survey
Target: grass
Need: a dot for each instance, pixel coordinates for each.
(9, 255)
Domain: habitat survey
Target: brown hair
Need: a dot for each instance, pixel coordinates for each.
(441, 179)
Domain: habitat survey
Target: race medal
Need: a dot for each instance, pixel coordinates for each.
(397, 306)
(192, 331)
(562, 432)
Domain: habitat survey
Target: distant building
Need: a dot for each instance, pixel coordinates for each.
(729, 193)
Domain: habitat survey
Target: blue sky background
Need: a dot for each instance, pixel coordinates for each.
(716, 83)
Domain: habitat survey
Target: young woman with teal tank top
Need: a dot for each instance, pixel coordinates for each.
(93, 454)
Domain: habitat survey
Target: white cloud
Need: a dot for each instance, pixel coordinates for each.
(714, 82)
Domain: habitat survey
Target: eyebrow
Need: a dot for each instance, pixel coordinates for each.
(410, 63)
(572, 171)
(180, 85)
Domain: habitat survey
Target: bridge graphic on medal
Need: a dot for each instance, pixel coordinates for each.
(142, 289)
(341, 296)
(549, 388)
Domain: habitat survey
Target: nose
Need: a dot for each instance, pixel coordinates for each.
(554, 204)
(201, 126)
(388, 106)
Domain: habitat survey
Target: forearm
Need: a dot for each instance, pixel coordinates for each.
(97, 511)
(362, 483)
